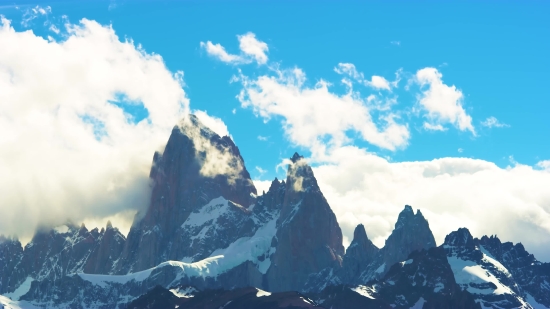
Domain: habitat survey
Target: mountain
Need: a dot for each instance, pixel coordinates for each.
(207, 234)
(173, 227)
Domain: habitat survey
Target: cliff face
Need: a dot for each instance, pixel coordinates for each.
(308, 236)
(196, 167)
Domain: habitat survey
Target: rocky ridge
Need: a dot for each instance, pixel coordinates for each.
(206, 227)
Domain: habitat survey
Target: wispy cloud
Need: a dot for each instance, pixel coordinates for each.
(376, 82)
(251, 50)
(263, 138)
(493, 122)
(433, 127)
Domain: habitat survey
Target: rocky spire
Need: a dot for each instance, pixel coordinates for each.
(197, 166)
(308, 237)
(360, 253)
(412, 232)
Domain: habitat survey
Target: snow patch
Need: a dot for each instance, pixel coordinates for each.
(262, 293)
(419, 304)
(21, 290)
(186, 292)
(364, 291)
(438, 287)
(531, 301)
(380, 269)
(7, 303)
(467, 272)
(250, 248)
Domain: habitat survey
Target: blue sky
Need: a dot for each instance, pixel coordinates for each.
(494, 54)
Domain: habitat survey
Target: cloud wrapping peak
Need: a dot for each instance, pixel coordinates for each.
(252, 50)
(68, 148)
(443, 103)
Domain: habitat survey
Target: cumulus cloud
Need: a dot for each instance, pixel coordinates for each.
(376, 82)
(513, 202)
(442, 103)
(492, 122)
(69, 148)
(252, 50)
(250, 46)
(314, 116)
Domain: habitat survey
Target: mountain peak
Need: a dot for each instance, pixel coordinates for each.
(296, 157)
(460, 237)
(359, 232)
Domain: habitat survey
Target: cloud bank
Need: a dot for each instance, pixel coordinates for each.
(68, 149)
(362, 187)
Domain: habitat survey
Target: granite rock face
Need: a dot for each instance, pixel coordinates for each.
(107, 251)
(11, 253)
(477, 271)
(53, 254)
(360, 253)
(206, 227)
(185, 179)
(308, 236)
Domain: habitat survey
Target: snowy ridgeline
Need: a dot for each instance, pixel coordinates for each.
(220, 261)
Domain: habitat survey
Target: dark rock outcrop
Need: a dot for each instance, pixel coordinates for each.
(11, 253)
(360, 253)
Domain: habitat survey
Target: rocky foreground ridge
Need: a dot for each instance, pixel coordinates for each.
(207, 240)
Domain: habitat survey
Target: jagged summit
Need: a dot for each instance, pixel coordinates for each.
(460, 237)
(296, 157)
(196, 167)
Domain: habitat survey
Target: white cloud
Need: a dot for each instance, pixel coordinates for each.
(214, 123)
(314, 116)
(376, 82)
(260, 170)
(460, 150)
(218, 51)
(545, 165)
(67, 148)
(261, 185)
(251, 50)
(250, 46)
(263, 138)
(443, 103)
(492, 122)
(397, 43)
(512, 202)
(433, 127)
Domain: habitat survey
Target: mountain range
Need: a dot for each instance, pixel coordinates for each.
(209, 240)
